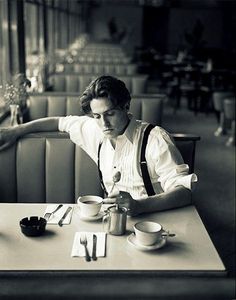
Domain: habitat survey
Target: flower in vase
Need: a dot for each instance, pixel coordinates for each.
(16, 92)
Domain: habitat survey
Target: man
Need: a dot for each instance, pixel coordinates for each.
(113, 139)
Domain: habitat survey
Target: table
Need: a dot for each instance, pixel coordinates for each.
(45, 261)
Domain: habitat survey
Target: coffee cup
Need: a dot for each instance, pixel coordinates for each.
(90, 205)
(148, 233)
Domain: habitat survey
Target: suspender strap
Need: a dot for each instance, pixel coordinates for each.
(143, 162)
(99, 170)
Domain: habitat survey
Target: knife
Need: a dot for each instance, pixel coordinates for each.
(49, 214)
(94, 255)
(60, 223)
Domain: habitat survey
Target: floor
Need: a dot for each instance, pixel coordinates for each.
(214, 196)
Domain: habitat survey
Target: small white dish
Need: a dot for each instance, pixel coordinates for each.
(93, 218)
(133, 241)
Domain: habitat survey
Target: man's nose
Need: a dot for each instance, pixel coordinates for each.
(104, 120)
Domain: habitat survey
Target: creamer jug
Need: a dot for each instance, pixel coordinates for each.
(115, 219)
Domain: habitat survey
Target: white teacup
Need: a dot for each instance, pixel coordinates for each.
(148, 233)
(90, 205)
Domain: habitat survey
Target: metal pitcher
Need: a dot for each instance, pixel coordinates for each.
(115, 220)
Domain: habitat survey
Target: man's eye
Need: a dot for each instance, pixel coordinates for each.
(110, 113)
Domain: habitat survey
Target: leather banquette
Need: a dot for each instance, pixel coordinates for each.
(100, 68)
(77, 82)
(48, 167)
(147, 107)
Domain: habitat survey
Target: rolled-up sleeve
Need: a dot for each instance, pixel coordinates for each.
(169, 167)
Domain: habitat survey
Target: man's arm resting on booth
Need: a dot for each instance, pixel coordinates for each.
(9, 135)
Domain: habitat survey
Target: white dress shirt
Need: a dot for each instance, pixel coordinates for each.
(165, 164)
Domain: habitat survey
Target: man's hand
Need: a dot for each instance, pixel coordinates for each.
(124, 199)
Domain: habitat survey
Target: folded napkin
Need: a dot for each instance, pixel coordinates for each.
(78, 249)
(55, 218)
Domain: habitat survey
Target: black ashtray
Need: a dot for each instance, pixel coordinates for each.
(33, 226)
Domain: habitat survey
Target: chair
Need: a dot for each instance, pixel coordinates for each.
(189, 87)
(229, 111)
(218, 103)
(186, 144)
(205, 91)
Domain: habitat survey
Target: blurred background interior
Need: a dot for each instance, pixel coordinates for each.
(182, 50)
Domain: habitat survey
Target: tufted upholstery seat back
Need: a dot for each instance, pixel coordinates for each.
(65, 82)
(147, 107)
(101, 68)
(47, 106)
(46, 167)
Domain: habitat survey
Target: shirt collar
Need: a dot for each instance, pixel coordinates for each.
(130, 130)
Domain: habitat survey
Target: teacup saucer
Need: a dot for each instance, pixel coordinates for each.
(133, 241)
(93, 218)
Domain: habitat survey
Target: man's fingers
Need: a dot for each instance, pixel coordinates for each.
(121, 201)
(109, 200)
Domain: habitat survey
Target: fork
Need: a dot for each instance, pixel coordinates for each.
(49, 214)
(83, 241)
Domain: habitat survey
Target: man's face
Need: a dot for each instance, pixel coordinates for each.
(111, 120)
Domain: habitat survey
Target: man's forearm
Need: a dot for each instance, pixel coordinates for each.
(44, 124)
(9, 135)
(178, 197)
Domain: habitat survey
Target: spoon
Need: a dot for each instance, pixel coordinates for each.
(115, 179)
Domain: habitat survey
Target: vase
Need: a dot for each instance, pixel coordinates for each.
(16, 115)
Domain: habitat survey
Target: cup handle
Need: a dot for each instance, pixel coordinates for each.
(105, 222)
(166, 234)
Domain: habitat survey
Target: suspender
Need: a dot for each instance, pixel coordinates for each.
(99, 170)
(143, 164)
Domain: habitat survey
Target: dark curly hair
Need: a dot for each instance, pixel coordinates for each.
(105, 87)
